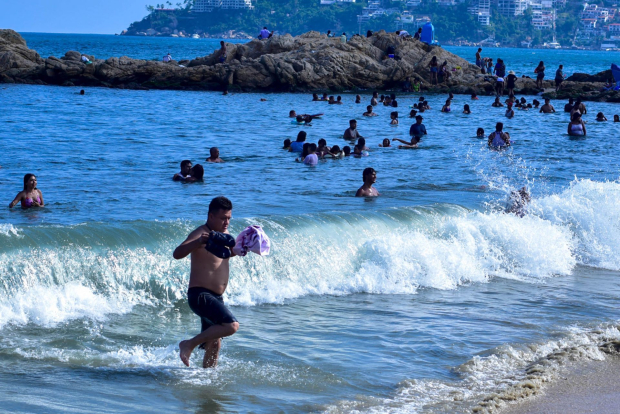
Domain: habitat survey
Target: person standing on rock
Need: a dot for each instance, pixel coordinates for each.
(343, 38)
(351, 133)
(511, 81)
(559, 77)
(479, 58)
(540, 74)
(434, 68)
(223, 52)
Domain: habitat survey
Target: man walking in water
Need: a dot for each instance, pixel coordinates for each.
(208, 280)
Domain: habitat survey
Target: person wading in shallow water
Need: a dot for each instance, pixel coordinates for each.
(210, 249)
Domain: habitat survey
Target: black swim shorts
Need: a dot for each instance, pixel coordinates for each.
(209, 306)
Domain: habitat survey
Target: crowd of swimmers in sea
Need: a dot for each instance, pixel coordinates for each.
(311, 153)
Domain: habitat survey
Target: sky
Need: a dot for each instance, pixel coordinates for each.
(71, 16)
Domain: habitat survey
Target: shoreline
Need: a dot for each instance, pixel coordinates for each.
(591, 386)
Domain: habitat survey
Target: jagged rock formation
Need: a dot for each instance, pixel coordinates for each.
(310, 62)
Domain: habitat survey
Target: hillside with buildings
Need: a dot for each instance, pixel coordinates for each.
(522, 23)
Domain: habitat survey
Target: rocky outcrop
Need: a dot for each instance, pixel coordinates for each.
(311, 62)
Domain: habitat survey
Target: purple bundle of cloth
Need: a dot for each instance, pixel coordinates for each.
(252, 239)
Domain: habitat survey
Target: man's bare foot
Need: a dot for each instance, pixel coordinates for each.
(185, 352)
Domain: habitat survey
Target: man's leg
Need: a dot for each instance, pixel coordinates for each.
(214, 332)
(212, 351)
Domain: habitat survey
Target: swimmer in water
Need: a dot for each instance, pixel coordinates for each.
(331, 101)
(497, 103)
(386, 143)
(518, 201)
(480, 133)
(196, 174)
(616, 118)
(600, 117)
(413, 113)
(394, 118)
(312, 159)
(576, 127)
(499, 139)
(186, 166)
(215, 155)
(509, 111)
(287, 144)
(292, 114)
(335, 152)
(346, 150)
(30, 196)
(474, 97)
(369, 175)
(446, 107)
(339, 100)
(351, 133)
(324, 97)
(358, 99)
(466, 109)
(322, 149)
(547, 108)
(369, 111)
(361, 144)
(315, 97)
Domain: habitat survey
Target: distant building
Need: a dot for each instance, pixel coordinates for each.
(512, 7)
(207, 6)
(328, 2)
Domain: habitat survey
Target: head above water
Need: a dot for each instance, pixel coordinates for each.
(287, 143)
(346, 150)
(335, 149)
(198, 172)
(30, 182)
(353, 124)
(499, 127)
(386, 142)
(361, 143)
(186, 165)
(301, 137)
(215, 152)
(480, 132)
(312, 148)
(322, 143)
(220, 213)
(369, 175)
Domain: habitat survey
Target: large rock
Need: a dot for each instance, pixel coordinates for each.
(310, 62)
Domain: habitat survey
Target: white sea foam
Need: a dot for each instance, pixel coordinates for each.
(487, 383)
(48, 306)
(443, 253)
(591, 209)
(8, 230)
(396, 252)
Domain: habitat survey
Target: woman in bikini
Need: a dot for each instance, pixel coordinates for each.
(31, 196)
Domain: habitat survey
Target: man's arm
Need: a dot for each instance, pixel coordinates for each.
(196, 240)
(403, 141)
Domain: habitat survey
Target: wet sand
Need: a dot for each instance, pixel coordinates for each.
(593, 387)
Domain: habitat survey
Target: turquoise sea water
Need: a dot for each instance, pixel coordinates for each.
(426, 299)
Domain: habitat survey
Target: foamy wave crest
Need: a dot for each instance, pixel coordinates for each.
(591, 210)
(8, 230)
(396, 251)
(487, 383)
(382, 255)
(48, 306)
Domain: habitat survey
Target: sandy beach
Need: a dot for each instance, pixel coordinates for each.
(592, 387)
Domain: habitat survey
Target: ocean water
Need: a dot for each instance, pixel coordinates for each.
(426, 299)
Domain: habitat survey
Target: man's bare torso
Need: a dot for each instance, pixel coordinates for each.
(207, 270)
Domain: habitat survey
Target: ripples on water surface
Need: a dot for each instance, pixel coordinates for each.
(425, 299)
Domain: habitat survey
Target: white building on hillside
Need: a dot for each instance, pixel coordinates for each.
(512, 7)
(207, 6)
